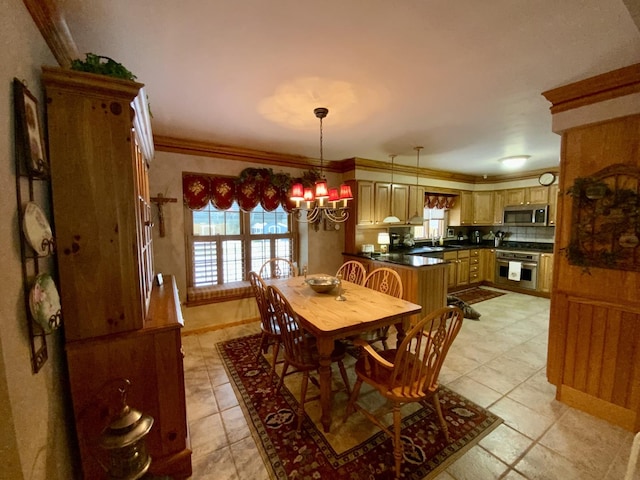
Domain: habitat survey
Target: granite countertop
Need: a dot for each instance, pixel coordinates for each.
(427, 255)
(407, 260)
(529, 246)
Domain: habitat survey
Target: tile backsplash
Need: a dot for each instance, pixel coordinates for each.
(530, 234)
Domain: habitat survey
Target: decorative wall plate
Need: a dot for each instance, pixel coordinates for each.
(44, 303)
(546, 178)
(37, 229)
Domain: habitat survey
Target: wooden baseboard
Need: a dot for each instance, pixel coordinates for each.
(177, 465)
(211, 328)
(597, 407)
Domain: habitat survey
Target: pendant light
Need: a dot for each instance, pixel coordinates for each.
(417, 218)
(330, 203)
(391, 218)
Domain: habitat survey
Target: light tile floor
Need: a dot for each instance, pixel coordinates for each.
(498, 362)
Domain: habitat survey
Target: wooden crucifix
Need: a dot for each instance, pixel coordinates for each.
(160, 200)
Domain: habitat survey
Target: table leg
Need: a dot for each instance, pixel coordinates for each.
(401, 329)
(325, 348)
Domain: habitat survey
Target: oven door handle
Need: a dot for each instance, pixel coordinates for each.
(524, 264)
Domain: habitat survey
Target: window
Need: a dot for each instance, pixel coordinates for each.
(224, 245)
(435, 224)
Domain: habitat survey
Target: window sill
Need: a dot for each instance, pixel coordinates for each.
(218, 293)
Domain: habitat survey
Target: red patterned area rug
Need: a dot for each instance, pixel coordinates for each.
(476, 294)
(353, 450)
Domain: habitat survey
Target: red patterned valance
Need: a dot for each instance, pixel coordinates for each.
(223, 192)
(439, 200)
(198, 190)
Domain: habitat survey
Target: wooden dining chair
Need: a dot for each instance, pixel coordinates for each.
(300, 349)
(409, 373)
(278, 268)
(352, 271)
(387, 281)
(269, 328)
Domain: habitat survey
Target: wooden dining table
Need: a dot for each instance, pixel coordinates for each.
(328, 319)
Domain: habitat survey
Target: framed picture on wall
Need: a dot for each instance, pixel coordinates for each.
(29, 138)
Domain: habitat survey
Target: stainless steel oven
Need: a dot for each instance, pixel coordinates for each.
(519, 269)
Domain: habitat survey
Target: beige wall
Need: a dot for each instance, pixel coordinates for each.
(321, 250)
(34, 424)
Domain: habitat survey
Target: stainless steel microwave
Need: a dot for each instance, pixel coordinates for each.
(526, 215)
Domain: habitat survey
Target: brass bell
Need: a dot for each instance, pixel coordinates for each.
(124, 442)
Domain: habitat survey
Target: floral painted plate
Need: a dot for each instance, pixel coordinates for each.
(44, 303)
(37, 230)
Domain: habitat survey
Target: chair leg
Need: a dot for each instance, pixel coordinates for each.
(345, 378)
(397, 443)
(263, 345)
(443, 424)
(284, 372)
(276, 350)
(303, 395)
(352, 399)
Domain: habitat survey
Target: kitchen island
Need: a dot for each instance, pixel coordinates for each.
(424, 279)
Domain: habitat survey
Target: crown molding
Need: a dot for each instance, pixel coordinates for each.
(606, 86)
(52, 24)
(230, 152)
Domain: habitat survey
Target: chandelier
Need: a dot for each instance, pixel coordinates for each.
(321, 201)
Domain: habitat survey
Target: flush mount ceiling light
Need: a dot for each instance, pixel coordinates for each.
(336, 209)
(417, 218)
(391, 218)
(515, 161)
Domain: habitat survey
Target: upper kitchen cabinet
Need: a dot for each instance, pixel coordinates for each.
(364, 203)
(525, 196)
(473, 208)
(101, 202)
(416, 200)
(498, 207)
(483, 205)
(382, 202)
(400, 201)
(538, 195)
(514, 196)
(466, 209)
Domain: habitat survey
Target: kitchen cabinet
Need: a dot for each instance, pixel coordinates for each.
(458, 262)
(452, 268)
(381, 202)
(416, 200)
(483, 207)
(475, 266)
(514, 196)
(401, 201)
(118, 324)
(525, 196)
(466, 208)
(365, 203)
(498, 207)
(488, 262)
(538, 195)
(425, 286)
(545, 272)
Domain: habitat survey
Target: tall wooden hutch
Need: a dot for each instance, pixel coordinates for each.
(118, 322)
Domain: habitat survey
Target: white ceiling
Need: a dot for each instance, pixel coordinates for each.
(463, 78)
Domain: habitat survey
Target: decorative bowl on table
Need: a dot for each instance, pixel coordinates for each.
(322, 283)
